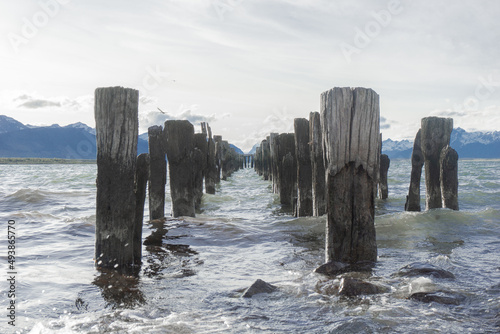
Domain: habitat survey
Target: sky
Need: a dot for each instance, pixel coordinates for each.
(249, 67)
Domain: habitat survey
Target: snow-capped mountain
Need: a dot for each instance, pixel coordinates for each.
(80, 125)
(8, 124)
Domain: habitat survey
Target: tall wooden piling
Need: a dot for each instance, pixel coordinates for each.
(304, 168)
(273, 166)
(225, 160)
(211, 176)
(287, 169)
(266, 163)
(116, 117)
(317, 164)
(275, 161)
(141, 181)
(417, 161)
(179, 140)
(258, 160)
(436, 133)
(157, 173)
(218, 155)
(449, 177)
(200, 166)
(383, 189)
(350, 119)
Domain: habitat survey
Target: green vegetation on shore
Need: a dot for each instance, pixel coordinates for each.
(43, 161)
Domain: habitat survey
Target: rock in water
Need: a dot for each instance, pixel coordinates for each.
(424, 269)
(438, 297)
(259, 286)
(353, 287)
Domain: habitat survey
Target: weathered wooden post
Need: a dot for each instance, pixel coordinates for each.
(200, 166)
(252, 158)
(141, 181)
(350, 118)
(382, 182)
(258, 160)
(449, 177)
(211, 177)
(287, 169)
(417, 161)
(275, 161)
(157, 173)
(116, 117)
(436, 133)
(317, 164)
(179, 144)
(304, 168)
(225, 157)
(265, 159)
(218, 155)
(273, 167)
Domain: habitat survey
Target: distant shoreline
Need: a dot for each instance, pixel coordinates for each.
(45, 161)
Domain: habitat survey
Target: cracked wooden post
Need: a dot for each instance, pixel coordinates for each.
(265, 159)
(449, 177)
(287, 170)
(225, 160)
(317, 164)
(436, 132)
(275, 161)
(218, 154)
(417, 161)
(304, 168)
(141, 181)
(383, 189)
(179, 140)
(200, 166)
(157, 173)
(273, 169)
(350, 119)
(258, 160)
(211, 176)
(116, 117)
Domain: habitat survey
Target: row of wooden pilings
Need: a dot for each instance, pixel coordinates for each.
(332, 164)
(122, 176)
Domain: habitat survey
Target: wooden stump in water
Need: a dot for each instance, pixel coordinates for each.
(218, 154)
(384, 168)
(417, 161)
(350, 119)
(265, 150)
(435, 134)
(157, 173)
(304, 168)
(200, 165)
(141, 181)
(225, 160)
(273, 166)
(179, 139)
(116, 117)
(317, 164)
(258, 160)
(449, 177)
(211, 177)
(287, 169)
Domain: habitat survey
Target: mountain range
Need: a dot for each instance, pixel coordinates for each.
(77, 141)
(74, 141)
(469, 145)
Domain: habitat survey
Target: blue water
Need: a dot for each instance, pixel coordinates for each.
(194, 281)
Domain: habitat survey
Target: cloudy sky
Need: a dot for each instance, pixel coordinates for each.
(249, 67)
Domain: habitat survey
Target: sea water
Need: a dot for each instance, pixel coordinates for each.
(193, 282)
